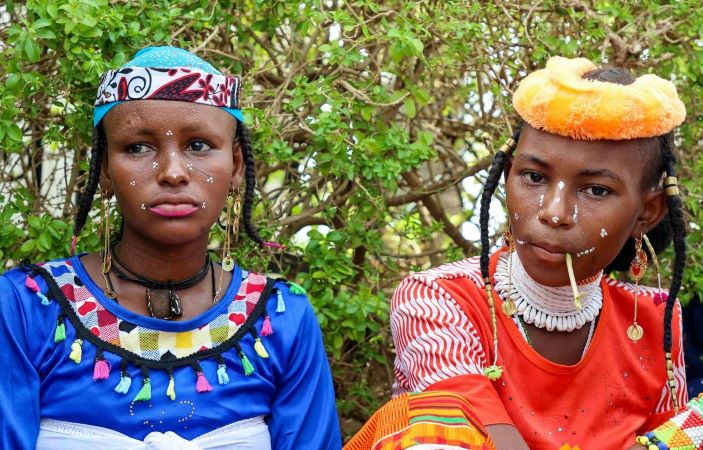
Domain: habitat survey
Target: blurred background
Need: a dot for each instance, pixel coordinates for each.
(373, 124)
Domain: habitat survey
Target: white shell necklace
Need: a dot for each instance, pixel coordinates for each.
(547, 307)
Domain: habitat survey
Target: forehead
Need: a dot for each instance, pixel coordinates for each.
(627, 157)
(166, 114)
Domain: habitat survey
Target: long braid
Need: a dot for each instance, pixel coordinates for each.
(250, 183)
(678, 228)
(85, 200)
(494, 371)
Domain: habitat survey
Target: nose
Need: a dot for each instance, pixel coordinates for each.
(557, 208)
(173, 168)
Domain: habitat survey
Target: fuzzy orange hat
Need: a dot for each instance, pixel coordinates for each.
(558, 100)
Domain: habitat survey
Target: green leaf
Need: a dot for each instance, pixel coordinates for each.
(410, 107)
(32, 50)
(14, 132)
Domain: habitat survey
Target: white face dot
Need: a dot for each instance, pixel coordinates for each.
(190, 166)
(132, 183)
(143, 206)
(172, 154)
(576, 213)
(560, 185)
(175, 175)
(603, 232)
(210, 180)
(516, 216)
(154, 165)
(203, 205)
(169, 133)
(541, 200)
(555, 219)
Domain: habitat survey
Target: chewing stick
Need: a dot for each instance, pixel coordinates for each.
(572, 279)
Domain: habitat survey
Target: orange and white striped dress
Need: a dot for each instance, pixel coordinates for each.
(442, 331)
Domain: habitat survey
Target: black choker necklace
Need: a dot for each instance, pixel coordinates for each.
(161, 298)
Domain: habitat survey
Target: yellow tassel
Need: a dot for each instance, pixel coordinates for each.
(260, 349)
(76, 351)
(171, 390)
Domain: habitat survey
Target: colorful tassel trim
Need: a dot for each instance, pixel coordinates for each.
(60, 331)
(222, 377)
(34, 287)
(248, 368)
(171, 389)
(124, 384)
(202, 384)
(144, 394)
(101, 371)
(281, 306)
(266, 329)
(76, 351)
(296, 289)
(260, 349)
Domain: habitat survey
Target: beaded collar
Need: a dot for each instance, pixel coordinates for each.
(544, 306)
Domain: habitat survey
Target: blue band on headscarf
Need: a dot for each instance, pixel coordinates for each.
(155, 61)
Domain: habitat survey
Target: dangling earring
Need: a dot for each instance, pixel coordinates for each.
(638, 267)
(508, 307)
(233, 207)
(104, 231)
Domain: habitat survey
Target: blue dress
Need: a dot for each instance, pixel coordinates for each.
(71, 354)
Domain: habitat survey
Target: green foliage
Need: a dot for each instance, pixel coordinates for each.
(371, 120)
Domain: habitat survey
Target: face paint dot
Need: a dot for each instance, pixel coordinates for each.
(169, 133)
(520, 242)
(555, 219)
(557, 200)
(576, 213)
(190, 166)
(210, 180)
(175, 175)
(203, 205)
(143, 206)
(585, 252)
(560, 185)
(154, 164)
(516, 216)
(541, 200)
(132, 183)
(172, 154)
(603, 233)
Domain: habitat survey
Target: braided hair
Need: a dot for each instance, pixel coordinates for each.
(673, 227)
(85, 200)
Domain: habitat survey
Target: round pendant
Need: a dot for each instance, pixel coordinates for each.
(508, 307)
(635, 332)
(227, 264)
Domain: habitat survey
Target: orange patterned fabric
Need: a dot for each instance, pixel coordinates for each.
(422, 418)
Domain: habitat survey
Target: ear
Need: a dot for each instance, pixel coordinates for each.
(238, 160)
(653, 212)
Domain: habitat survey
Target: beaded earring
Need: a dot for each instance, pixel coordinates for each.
(104, 232)
(233, 208)
(638, 267)
(508, 307)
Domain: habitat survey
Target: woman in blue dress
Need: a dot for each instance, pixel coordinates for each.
(149, 344)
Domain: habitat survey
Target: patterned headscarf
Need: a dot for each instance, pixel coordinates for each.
(167, 73)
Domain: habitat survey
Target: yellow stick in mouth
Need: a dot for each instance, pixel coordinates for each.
(572, 279)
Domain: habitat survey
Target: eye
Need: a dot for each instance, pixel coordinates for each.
(597, 191)
(136, 149)
(199, 146)
(532, 177)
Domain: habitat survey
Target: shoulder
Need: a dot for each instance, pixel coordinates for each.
(468, 268)
(440, 281)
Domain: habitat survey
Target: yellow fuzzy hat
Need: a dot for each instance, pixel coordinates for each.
(558, 100)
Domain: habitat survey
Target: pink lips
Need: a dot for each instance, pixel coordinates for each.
(549, 255)
(173, 210)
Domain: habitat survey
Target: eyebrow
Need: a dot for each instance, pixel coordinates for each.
(584, 173)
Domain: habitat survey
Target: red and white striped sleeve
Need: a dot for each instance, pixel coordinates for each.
(434, 338)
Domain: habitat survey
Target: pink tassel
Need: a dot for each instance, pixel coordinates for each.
(74, 241)
(273, 245)
(266, 329)
(101, 371)
(31, 284)
(202, 385)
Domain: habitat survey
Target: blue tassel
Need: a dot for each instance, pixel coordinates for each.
(44, 299)
(222, 376)
(124, 384)
(281, 307)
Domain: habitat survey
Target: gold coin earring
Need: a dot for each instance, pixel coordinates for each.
(104, 232)
(232, 228)
(508, 307)
(638, 267)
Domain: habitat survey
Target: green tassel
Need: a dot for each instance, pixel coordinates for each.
(260, 349)
(493, 372)
(144, 393)
(296, 288)
(76, 351)
(248, 368)
(171, 390)
(60, 332)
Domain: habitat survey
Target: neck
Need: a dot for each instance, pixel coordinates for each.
(161, 262)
